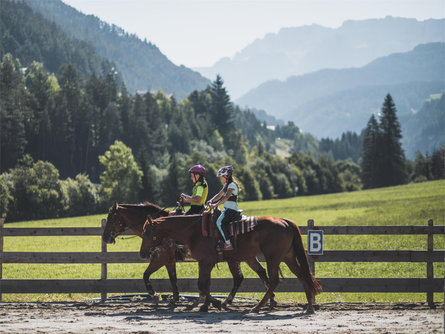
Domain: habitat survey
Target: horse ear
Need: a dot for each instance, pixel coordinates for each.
(114, 205)
(148, 221)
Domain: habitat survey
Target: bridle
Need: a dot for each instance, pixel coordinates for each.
(122, 226)
(153, 236)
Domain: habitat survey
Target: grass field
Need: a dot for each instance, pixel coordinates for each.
(411, 204)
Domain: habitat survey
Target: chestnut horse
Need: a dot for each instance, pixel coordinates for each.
(132, 216)
(278, 239)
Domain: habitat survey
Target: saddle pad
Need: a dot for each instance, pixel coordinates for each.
(245, 225)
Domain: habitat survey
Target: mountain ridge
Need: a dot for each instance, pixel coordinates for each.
(289, 100)
(300, 50)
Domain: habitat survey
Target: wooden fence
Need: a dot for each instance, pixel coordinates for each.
(103, 285)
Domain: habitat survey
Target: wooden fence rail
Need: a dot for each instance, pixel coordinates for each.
(429, 285)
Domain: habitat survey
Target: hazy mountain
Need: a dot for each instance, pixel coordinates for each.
(300, 50)
(141, 63)
(424, 130)
(329, 102)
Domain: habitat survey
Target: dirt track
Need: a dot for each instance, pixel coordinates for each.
(142, 317)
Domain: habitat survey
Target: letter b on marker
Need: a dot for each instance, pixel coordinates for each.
(315, 242)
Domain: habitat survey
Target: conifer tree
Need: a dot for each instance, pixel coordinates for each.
(13, 112)
(392, 163)
(370, 155)
(222, 108)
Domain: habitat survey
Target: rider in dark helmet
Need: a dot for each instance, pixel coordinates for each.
(199, 192)
(228, 196)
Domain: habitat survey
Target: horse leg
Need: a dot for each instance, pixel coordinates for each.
(171, 269)
(295, 268)
(238, 277)
(152, 267)
(256, 266)
(205, 269)
(272, 269)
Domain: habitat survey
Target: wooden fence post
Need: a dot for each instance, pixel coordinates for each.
(310, 226)
(103, 274)
(1, 255)
(430, 266)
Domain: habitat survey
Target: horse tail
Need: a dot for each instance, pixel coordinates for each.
(303, 260)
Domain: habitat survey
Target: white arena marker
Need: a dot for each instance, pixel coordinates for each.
(315, 242)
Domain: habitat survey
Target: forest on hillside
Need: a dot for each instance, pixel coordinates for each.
(73, 139)
(145, 68)
(70, 143)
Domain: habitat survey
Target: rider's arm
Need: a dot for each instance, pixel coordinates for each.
(217, 196)
(225, 198)
(194, 199)
(188, 198)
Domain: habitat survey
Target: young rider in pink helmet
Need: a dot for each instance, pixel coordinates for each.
(199, 192)
(228, 196)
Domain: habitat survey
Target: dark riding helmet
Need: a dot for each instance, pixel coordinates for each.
(226, 170)
(198, 169)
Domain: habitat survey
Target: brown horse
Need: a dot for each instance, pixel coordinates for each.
(278, 239)
(133, 216)
(122, 217)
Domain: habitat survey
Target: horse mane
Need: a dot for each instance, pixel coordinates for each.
(141, 206)
(187, 218)
(146, 207)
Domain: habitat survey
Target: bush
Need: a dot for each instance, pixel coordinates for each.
(80, 196)
(36, 191)
(5, 196)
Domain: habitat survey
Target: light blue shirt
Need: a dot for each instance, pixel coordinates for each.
(232, 204)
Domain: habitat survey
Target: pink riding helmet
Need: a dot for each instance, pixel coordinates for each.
(198, 169)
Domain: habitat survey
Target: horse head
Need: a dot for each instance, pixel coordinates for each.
(150, 239)
(114, 225)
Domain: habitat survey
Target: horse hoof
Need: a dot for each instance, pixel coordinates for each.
(310, 310)
(255, 310)
(216, 303)
(156, 300)
(171, 304)
(272, 304)
(204, 308)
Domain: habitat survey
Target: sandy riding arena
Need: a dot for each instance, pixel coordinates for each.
(141, 317)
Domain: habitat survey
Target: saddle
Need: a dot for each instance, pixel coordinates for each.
(241, 225)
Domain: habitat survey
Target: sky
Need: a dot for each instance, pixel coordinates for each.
(198, 33)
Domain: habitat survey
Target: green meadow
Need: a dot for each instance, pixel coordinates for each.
(412, 204)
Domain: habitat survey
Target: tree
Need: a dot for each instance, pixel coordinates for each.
(35, 189)
(383, 160)
(13, 112)
(251, 189)
(81, 195)
(438, 163)
(5, 196)
(371, 156)
(171, 183)
(221, 107)
(392, 161)
(150, 181)
(121, 179)
(40, 86)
